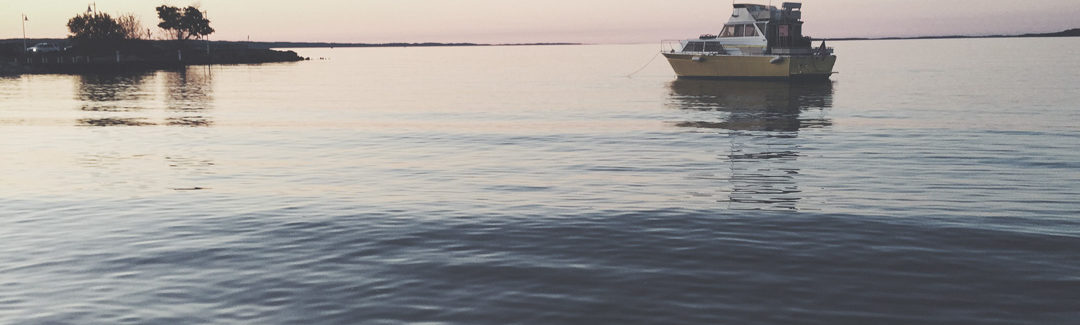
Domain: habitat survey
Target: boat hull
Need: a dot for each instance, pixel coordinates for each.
(697, 66)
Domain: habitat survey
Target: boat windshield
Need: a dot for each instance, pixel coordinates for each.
(739, 30)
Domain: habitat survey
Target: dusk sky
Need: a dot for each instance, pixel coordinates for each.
(592, 21)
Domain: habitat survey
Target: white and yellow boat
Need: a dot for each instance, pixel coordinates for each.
(758, 42)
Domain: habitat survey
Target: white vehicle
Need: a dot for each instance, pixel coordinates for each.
(43, 48)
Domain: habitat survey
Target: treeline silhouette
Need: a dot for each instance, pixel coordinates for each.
(98, 41)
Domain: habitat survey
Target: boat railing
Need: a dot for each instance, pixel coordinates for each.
(671, 45)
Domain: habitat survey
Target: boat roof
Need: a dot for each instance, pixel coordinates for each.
(750, 5)
(758, 12)
(758, 5)
(789, 11)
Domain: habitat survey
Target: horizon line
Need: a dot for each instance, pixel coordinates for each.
(1071, 32)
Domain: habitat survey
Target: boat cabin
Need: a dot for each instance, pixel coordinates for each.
(755, 29)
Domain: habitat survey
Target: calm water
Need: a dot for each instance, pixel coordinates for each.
(931, 182)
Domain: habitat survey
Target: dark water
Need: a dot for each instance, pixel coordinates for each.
(540, 185)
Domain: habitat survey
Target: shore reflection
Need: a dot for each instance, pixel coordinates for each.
(763, 119)
(128, 98)
(113, 97)
(190, 94)
(148, 99)
(103, 92)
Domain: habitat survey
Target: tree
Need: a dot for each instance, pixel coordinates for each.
(170, 20)
(131, 26)
(94, 27)
(183, 24)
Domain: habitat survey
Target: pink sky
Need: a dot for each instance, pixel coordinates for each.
(593, 21)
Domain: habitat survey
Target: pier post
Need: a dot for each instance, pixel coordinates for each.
(117, 56)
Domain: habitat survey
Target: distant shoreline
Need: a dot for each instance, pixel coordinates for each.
(396, 44)
(161, 54)
(270, 45)
(1075, 32)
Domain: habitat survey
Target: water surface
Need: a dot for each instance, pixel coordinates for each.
(541, 185)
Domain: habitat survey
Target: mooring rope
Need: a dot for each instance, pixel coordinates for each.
(631, 75)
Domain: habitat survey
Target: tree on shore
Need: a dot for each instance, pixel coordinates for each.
(95, 27)
(183, 24)
(131, 26)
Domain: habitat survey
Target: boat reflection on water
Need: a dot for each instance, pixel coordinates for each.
(129, 98)
(754, 105)
(761, 120)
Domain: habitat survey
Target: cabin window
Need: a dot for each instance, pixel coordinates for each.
(713, 47)
(739, 31)
(749, 31)
(694, 47)
(703, 47)
(729, 31)
(761, 27)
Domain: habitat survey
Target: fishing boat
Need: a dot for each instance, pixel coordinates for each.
(757, 42)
